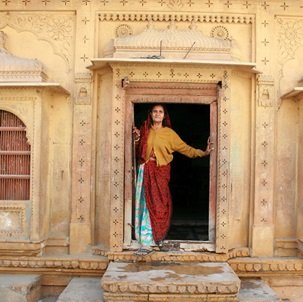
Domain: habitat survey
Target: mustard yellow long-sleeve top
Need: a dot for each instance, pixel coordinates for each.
(164, 142)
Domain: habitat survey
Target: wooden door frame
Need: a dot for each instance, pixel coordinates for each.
(178, 93)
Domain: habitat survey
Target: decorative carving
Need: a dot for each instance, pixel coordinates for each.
(57, 29)
(201, 18)
(40, 264)
(174, 43)
(266, 91)
(270, 265)
(12, 220)
(123, 30)
(83, 89)
(290, 37)
(175, 4)
(220, 32)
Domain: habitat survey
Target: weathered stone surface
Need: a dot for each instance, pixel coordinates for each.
(158, 281)
(82, 290)
(255, 290)
(25, 288)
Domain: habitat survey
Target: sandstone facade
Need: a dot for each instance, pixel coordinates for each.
(72, 72)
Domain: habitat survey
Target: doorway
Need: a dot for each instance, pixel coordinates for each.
(190, 178)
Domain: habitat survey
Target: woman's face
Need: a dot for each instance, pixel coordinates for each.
(157, 114)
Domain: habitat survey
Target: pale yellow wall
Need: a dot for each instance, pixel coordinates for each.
(299, 205)
(103, 154)
(86, 36)
(240, 159)
(286, 170)
(59, 112)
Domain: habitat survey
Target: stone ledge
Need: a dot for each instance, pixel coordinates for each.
(173, 280)
(266, 266)
(81, 264)
(21, 288)
(82, 290)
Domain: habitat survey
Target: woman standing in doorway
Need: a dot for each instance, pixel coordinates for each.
(156, 142)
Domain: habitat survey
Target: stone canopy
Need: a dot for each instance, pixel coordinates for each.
(170, 43)
(16, 69)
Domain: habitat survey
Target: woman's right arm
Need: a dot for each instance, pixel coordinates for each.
(136, 133)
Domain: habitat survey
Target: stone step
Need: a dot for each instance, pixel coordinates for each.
(82, 289)
(19, 288)
(177, 282)
(256, 290)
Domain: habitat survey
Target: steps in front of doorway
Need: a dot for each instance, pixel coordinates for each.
(82, 289)
(256, 290)
(178, 282)
(19, 288)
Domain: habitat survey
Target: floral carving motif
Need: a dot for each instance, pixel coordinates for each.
(290, 37)
(175, 4)
(56, 29)
(219, 32)
(123, 30)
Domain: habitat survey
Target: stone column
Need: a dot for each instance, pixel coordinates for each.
(81, 228)
(263, 225)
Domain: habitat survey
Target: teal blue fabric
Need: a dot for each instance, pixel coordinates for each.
(143, 229)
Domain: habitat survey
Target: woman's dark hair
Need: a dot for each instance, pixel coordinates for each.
(166, 121)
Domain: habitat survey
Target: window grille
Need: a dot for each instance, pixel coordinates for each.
(14, 158)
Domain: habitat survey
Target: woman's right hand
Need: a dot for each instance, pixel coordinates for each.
(136, 133)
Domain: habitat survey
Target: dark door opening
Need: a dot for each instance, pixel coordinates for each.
(189, 177)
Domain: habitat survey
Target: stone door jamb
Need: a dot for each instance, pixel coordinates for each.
(117, 201)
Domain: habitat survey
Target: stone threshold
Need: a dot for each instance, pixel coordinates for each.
(180, 256)
(157, 281)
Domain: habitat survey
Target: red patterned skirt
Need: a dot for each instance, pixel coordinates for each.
(158, 198)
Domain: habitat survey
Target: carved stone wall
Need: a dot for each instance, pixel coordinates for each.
(26, 105)
(73, 32)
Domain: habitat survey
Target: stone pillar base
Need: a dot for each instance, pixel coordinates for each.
(262, 241)
(80, 237)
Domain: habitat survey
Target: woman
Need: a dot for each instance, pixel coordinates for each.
(156, 144)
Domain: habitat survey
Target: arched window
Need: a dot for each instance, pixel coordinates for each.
(14, 158)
